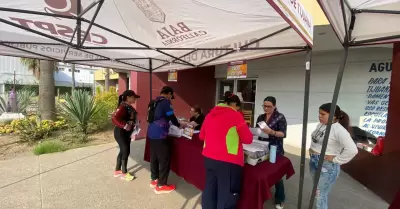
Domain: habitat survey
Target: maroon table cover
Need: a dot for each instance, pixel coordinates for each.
(188, 163)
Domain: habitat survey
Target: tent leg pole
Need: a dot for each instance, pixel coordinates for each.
(305, 123)
(151, 78)
(329, 125)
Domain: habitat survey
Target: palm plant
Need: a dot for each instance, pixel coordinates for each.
(25, 97)
(3, 104)
(33, 65)
(80, 108)
(44, 71)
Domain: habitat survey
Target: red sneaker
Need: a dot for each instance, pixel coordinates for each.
(154, 183)
(117, 173)
(164, 189)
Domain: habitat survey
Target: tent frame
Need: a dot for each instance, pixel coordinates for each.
(177, 60)
(347, 43)
(79, 43)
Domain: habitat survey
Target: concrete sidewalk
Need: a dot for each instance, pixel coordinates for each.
(82, 178)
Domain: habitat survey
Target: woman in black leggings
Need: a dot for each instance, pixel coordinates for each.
(124, 120)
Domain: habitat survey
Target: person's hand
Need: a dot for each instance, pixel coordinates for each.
(329, 158)
(268, 131)
(183, 123)
(128, 127)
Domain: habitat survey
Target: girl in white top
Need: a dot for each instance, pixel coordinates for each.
(340, 150)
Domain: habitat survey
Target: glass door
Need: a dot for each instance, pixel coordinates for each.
(224, 86)
(246, 91)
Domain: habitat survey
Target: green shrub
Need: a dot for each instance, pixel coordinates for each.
(31, 129)
(108, 101)
(49, 147)
(79, 109)
(25, 98)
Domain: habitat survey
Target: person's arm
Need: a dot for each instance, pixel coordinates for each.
(245, 135)
(281, 131)
(282, 127)
(117, 117)
(170, 114)
(349, 147)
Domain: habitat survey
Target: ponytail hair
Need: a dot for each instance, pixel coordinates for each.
(344, 120)
(232, 99)
(341, 116)
(120, 99)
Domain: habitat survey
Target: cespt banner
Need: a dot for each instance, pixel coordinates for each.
(237, 69)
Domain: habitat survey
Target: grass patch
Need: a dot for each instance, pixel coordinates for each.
(50, 147)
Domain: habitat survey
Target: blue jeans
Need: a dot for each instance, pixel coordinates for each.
(329, 173)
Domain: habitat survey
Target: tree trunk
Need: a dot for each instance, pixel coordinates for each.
(73, 76)
(47, 102)
(107, 79)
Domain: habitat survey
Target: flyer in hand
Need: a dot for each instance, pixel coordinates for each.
(188, 132)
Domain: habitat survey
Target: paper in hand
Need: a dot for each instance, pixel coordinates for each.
(263, 125)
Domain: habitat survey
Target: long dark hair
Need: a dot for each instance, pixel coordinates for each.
(125, 95)
(341, 116)
(197, 109)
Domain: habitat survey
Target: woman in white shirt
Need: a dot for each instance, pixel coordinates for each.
(340, 150)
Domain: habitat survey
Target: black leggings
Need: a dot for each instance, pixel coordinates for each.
(123, 139)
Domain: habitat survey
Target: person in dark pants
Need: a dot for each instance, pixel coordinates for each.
(224, 131)
(276, 131)
(160, 144)
(124, 120)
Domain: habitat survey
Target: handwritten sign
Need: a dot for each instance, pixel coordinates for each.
(377, 100)
(237, 69)
(172, 76)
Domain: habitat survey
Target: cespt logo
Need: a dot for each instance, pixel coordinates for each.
(62, 7)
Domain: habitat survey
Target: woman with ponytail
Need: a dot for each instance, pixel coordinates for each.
(340, 150)
(124, 120)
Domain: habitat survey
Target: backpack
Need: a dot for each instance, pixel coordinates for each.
(151, 110)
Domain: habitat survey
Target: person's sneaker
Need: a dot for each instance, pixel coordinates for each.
(127, 177)
(164, 189)
(117, 173)
(279, 206)
(154, 183)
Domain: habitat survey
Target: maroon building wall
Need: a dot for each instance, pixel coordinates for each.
(194, 87)
(381, 173)
(122, 82)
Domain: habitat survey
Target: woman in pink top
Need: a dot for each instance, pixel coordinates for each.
(224, 131)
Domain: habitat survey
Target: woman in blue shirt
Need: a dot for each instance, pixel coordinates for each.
(276, 122)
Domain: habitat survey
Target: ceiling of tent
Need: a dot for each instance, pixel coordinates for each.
(174, 34)
(367, 21)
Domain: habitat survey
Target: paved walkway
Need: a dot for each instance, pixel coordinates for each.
(82, 178)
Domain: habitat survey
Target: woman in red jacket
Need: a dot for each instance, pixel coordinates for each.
(124, 120)
(224, 131)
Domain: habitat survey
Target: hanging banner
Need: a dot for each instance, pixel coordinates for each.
(173, 76)
(237, 69)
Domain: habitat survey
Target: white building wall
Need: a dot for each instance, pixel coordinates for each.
(9, 65)
(283, 77)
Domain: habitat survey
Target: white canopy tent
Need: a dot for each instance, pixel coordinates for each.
(176, 34)
(157, 35)
(357, 23)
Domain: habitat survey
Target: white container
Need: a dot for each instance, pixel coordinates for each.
(254, 162)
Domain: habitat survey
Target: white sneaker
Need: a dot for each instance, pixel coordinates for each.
(279, 206)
